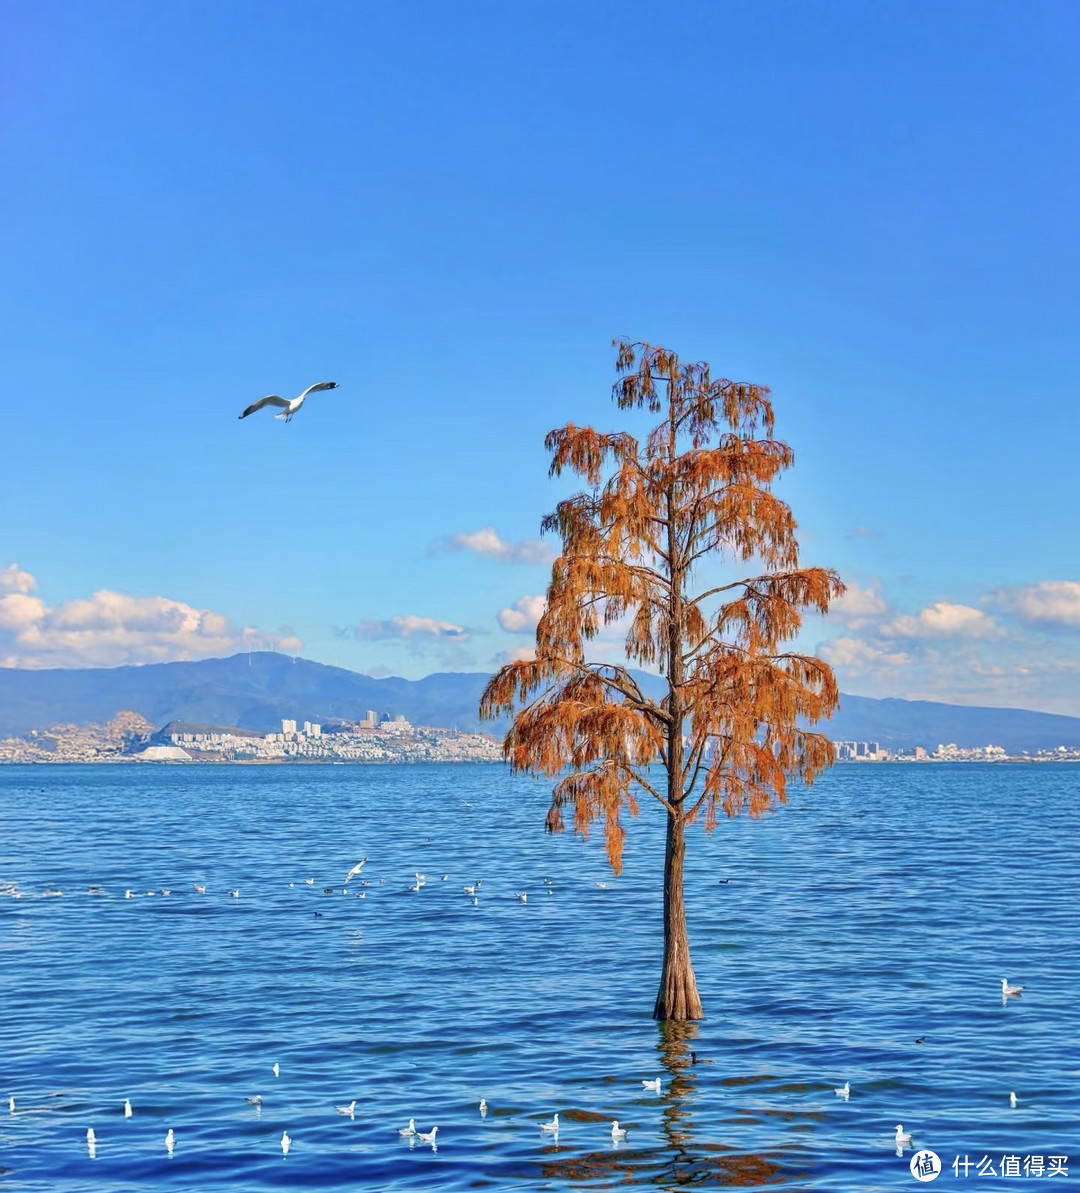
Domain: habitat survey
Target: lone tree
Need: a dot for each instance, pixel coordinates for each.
(727, 733)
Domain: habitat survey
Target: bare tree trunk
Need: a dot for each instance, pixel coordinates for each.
(677, 997)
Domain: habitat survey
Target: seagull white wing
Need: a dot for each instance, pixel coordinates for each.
(269, 400)
(319, 385)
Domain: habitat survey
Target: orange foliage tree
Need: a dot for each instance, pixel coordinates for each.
(727, 735)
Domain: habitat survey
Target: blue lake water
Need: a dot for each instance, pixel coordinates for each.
(884, 905)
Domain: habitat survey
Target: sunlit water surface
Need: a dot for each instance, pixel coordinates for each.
(883, 906)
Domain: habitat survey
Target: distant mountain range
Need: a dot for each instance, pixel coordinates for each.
(255, 691)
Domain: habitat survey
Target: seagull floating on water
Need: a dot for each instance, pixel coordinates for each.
(1008, 991)
(1012, 1099)
(844, 1091)
(289, 407)
(427, 1136)
(170, 1141)
(127, 1108)
(523, 897)
(347, 1109)
(255, 1101)
(469, 890)
(617, 1132)
(91, 1142)
(235, 894)
(409, 1131)
(483, 1107)
(552, 1126)
(11, 1105)
(653, 1085)
(286, 1143)
(354, 871)
(277, 1069)
(200, 888)
(903, 1138)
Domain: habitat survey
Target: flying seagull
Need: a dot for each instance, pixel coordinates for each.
(355, 870)
(288, 408)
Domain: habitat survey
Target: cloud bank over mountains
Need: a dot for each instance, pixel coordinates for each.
(110, 629)
(1014, 646)
(1017, 646)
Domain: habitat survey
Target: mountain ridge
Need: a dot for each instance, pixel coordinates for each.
(255, 691)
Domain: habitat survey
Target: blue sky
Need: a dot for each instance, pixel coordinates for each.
(451, 210)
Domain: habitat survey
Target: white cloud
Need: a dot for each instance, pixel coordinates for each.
(110, 629)
(1049, 602)
(487, 542)
(958, 653)
(20, 613)
(858, 657)
(523, 615)
(858, 603)
(942, 619)
(14, 579)
(411, 626)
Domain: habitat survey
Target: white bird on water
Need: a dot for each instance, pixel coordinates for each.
(1012, 1099)
(903, 1138)
(617, 1132)
(11, 1105)
(523, 896)
(427, 1136)
(354, 871)
(653, 1085)
(127, 1108)
(277, 1069)
(483, 1107)
(552, 1126)
(286, 1143)
(1008, 991)
(170, 1141)
(347, 1109)
(289, 407)
(409, 1131)
(91, 1142)
(844, 1091)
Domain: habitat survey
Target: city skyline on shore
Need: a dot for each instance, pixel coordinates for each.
(452, 217)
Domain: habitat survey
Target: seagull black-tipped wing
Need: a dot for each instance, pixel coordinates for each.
(319, 385)
(269, 400)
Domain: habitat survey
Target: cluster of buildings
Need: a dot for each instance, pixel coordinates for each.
(131, 738)
(369, 740)
(872, 751)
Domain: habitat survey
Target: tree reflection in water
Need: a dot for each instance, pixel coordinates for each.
(682, 1161)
